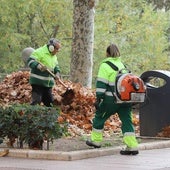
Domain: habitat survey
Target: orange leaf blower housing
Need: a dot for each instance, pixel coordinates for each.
(130, 89)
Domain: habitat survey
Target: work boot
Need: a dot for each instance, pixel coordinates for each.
(128, 151)
(93, 144)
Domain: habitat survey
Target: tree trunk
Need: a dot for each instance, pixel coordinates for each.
(82, 44)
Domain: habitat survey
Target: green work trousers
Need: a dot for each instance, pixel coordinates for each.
(108, 108)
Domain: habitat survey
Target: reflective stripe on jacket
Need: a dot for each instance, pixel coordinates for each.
(38, 77)
(106, 77)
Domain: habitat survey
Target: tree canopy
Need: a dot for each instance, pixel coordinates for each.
(138, 30)
(136, 27)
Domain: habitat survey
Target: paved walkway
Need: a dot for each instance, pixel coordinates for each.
(155, 159)
(82, 154)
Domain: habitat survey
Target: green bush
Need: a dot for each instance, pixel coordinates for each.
(30, 124)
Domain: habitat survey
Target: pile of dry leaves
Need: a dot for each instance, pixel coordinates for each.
(15, 88)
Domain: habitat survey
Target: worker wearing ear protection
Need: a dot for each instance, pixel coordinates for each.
(106, 105)
(41, 81)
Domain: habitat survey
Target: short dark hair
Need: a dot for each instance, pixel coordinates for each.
(53, 41)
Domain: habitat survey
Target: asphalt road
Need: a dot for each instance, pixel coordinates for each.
(155, 159)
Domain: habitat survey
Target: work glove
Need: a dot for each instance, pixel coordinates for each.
(97, 103)
(57, 76)
(41, 67)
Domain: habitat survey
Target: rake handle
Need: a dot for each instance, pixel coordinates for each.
(53, 75)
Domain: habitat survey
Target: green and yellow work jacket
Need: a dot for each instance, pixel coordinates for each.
(42, 78)
(105, 84)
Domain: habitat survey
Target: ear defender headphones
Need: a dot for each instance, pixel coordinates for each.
(51, 44)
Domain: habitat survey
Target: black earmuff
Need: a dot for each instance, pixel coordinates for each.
(51, 45)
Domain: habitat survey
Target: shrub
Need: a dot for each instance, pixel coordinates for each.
(30, 124)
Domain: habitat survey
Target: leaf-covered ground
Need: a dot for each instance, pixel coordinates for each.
(77, 111)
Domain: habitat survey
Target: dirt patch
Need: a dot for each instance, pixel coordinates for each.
(67, 144)
(71, 143)
(79, 143)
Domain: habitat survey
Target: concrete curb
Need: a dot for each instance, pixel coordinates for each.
(82, 154)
